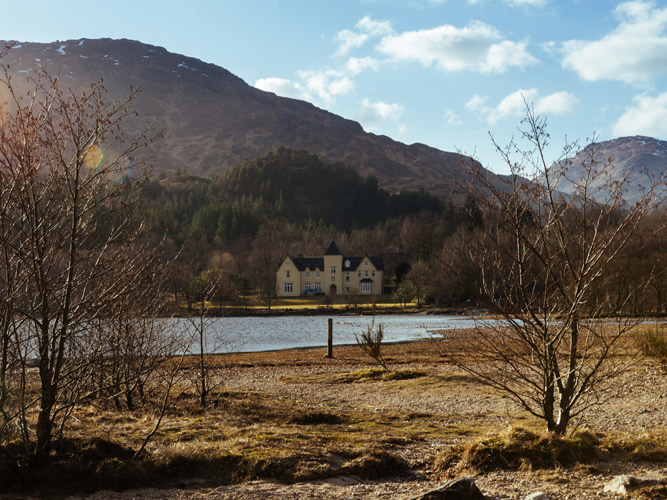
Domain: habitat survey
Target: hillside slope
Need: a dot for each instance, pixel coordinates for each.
(633, 157)
(212, 119)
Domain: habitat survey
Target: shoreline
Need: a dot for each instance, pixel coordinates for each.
(343, 310)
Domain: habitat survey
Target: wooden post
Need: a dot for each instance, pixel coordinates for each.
(330, 339)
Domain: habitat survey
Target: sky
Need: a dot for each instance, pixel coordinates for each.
(448, 73)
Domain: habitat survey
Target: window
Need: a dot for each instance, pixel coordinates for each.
(358, 274)
(367, 274)
(307, 274)
(333, 278)
(348, 263)
(306, 287)
(288, 287)
(317, 274)
(347, 277)
(366, 287)
(366, 263)
(333, 269)
(318, 286)
(287, 274)
(373, 274)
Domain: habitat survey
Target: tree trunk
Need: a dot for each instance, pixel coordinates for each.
(44, 423)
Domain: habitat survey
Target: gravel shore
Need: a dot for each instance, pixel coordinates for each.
(638, 404)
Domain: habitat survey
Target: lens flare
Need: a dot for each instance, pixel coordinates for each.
(93, 156)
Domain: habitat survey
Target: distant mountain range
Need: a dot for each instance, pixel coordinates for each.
(213, 120)
(631, 157)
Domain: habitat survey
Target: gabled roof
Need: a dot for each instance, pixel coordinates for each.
(377, 261)
(332, 249)
(312, 263)
(355, 262)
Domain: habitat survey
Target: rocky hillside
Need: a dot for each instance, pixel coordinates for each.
(626, 156)
(212, 119)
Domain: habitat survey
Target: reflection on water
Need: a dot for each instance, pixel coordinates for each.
(251, 334)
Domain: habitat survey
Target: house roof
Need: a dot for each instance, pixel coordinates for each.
(355, 262)
(332, 249)
(312, 263)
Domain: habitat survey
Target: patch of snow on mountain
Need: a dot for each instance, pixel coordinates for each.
(204, 74)
(182, 65)
(24, 70)
(17, 46)
(61, 49)
(38, 60)
(83, 57)
(81, 42)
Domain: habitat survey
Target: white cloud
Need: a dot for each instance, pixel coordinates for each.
(373, 27)
(356, 65)
(327, 84)
(452, 118)
(377, 113)
(634, 52)
(476, 102)
(516, 3)
(521, 3)
(558, 103)
(317, 86)
(476, 47)
(647, 116)
(365, 29)
(283, 87)
(341, 86)
(321, 86)
(514, 104)
(348, 40)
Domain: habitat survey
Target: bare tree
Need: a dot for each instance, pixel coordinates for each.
(420, 275)
(544, 259)
(70, 208)
(206, 340)
(267, 250)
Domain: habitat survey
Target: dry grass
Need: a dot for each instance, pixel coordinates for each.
(246, 434)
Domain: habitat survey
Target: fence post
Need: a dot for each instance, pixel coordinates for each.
(330, 339)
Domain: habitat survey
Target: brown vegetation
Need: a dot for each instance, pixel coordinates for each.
(297, 416)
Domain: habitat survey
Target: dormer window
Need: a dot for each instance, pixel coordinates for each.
(348, 263)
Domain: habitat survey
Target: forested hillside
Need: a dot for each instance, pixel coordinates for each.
(294, 186)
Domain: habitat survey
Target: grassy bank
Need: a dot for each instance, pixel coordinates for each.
(323, 426)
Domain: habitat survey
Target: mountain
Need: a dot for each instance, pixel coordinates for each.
(212, 120)
(633, 157)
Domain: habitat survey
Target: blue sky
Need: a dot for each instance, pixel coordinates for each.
(440, 72)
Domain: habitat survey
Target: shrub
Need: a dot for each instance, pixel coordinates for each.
(653, 344)
(521, 449)
(370, 342)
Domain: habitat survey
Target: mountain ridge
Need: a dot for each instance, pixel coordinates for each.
(636, 157)
(213, 120)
